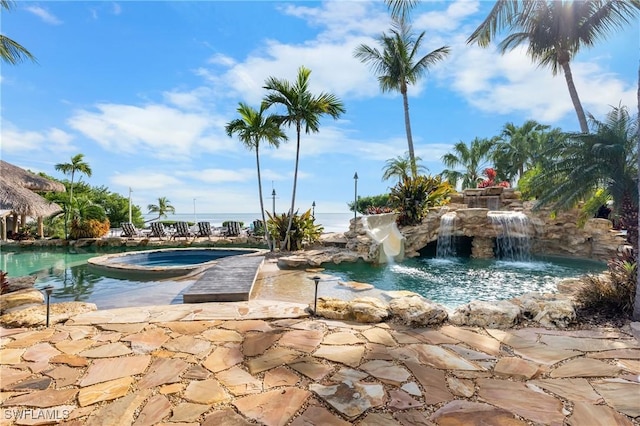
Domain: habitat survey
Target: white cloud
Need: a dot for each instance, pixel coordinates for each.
(116, 9)
(43, 14)
(220, 175)
(156, 130)
(15, 140)
(143, 180)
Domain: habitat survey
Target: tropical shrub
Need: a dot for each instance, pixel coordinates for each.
(378, 210)
(88, 228)
(413, 196)
(303, 229)
(612, 293)
(364, 203)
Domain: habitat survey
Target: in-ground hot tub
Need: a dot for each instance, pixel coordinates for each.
(162, 263)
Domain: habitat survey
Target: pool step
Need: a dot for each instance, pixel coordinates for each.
(229, 280)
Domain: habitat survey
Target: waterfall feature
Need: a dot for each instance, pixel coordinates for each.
(512, 239)
(445, 247)
(383, 230)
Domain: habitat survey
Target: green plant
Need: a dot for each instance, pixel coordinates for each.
(303, 230)
(88, 228)
(412, 197)
(364, 203)
(611, 294)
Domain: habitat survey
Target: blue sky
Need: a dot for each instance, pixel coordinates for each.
(144, 90)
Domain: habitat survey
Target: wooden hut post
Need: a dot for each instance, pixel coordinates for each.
(40, 227)
(3, 231)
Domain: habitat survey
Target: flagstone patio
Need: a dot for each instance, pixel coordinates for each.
(267, 362)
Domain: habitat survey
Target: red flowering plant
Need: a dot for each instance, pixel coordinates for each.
(490, 174)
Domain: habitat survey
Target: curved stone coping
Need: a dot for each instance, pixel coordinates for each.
(116, 264)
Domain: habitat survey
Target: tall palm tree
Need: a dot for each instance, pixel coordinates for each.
(555, 31)
(77, 165)
(606, 158)
(397, 66)
(518, 149)
(400, 8)
(302, 109)
(11, 51)
(251, 128)
(400, 167)
(473, 158)
(162, 208)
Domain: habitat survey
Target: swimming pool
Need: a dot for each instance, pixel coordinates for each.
(160, 263)
(73, 279)
(456, 281)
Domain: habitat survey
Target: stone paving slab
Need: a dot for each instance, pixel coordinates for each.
(269, 363)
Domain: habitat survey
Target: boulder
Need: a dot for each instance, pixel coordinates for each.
(355, 285)
(333, 308)
(20, 283)
(28, 296)
(417, 311)
(36, 315)
(497, 314)
(550, 310)
(369, 310)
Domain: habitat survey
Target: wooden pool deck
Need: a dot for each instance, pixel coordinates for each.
(229, 280)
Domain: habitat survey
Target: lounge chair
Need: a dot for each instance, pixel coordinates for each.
(157, 230)
(204, 229)
(233, 229)
(182, 230)
(130, 231)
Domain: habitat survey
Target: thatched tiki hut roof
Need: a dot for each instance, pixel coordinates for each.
(26, 179)
(17, 196)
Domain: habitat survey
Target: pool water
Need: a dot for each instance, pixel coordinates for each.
(175, 257)
(73, 280)
(453, 282)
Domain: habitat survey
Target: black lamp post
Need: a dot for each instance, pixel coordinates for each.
(355, 197)
(316, 280)
(313, 209)
(48, 290)
(273, 196)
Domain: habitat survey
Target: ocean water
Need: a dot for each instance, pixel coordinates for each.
(332, 222)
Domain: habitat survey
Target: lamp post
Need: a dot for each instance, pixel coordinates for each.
(316, 280)
(273, 199)
(355, 197)
(313, 209)
(48, 290)
(130, 191)
(194, 211)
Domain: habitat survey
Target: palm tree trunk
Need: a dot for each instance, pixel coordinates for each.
(287, 238)
(264, 222)
(575, 99)
(407, 125)
(636, 302)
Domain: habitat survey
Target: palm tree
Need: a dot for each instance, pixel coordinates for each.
(397, 66)
(251, 128)
(78, 165)
(555, 31)
(400, 167)
(11, 51)
(303, 109)
(400, 8)
(584, 163)
(472, 158)
(518, 149)
(162, 208)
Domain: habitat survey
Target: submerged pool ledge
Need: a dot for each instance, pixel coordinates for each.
(155, 264)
